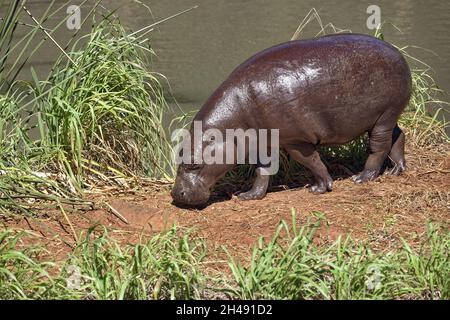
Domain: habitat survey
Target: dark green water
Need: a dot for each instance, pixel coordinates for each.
(198, 50)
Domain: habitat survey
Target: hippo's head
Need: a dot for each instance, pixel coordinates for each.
(201, 163)
(194, 182)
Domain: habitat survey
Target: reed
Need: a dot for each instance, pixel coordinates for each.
(95, 120)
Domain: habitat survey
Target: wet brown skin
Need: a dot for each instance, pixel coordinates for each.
(324, 91)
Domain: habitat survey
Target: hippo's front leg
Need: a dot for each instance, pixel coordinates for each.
(259, 189)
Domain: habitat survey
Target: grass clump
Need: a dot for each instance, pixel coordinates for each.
(95, 120)
(425, 129)
(21, 273)
(172, 266)
(293, 267)
(168, 266)
(165, 267)
(106, 112)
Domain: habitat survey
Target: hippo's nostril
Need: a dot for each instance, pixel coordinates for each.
(183, 193)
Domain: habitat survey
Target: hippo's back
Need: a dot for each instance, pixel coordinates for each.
(332, 88)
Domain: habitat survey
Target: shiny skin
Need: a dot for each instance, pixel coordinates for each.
(324, 91)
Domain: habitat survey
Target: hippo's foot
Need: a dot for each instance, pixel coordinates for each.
(322, 187)
(252, 195)
(259, 189)
(365, 176)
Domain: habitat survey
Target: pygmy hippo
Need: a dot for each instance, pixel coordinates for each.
(323, 91)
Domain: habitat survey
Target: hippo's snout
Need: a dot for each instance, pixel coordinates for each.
(189, 194)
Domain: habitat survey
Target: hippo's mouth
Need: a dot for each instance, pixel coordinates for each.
(192, 206)
(190, 202)
(189, 198)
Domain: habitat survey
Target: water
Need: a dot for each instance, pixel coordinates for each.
(197, 51)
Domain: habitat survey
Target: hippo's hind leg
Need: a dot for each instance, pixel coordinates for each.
(380, 142)
(259, 188)
(397, 154)
(307, 155)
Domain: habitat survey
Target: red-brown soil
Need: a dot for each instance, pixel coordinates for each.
(378, 212)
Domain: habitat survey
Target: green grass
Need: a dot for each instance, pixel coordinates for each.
(293, 267)
(95, 120)
(105, 112)
(21, 274)
(165, 267)
(173, 265)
